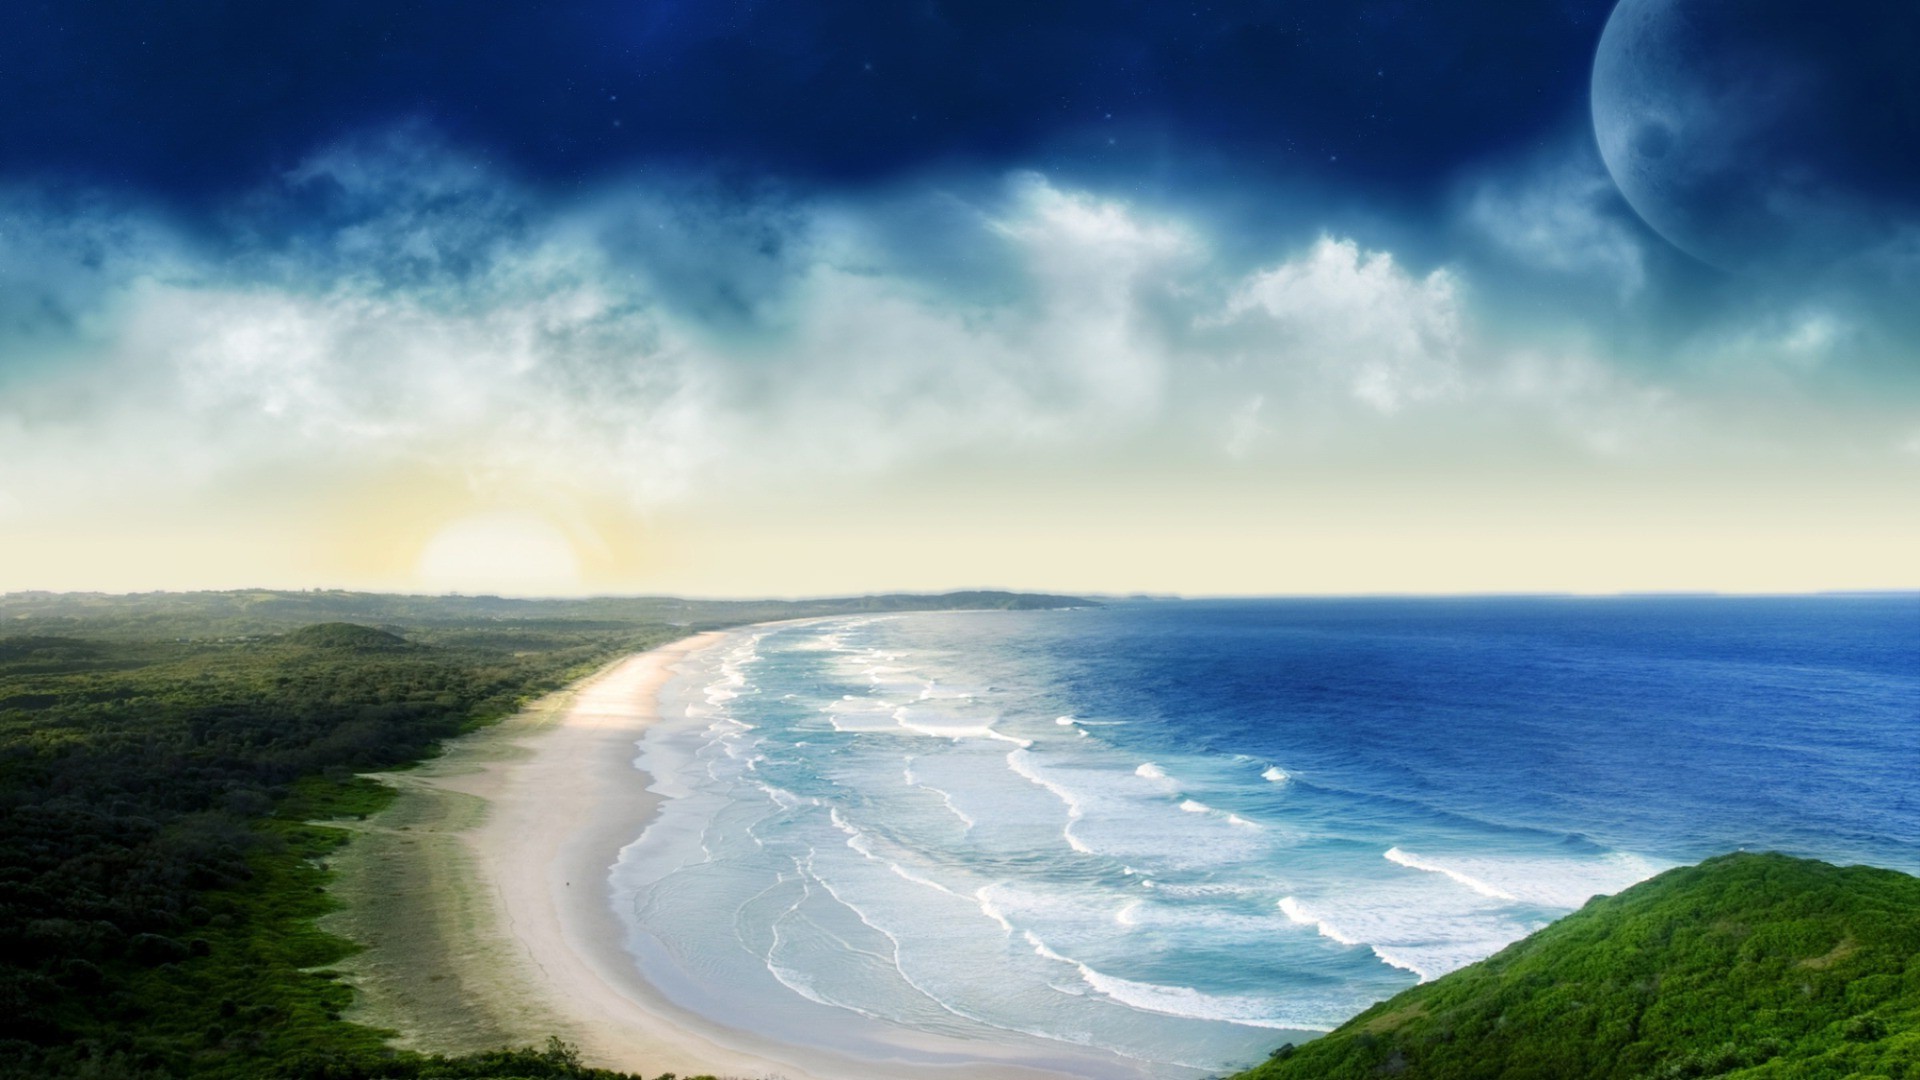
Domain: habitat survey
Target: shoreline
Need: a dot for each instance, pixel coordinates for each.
(480, 894)
(484, 902)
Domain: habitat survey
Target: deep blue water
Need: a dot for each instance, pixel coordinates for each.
(1175, 834)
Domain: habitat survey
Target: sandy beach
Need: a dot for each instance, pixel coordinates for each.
(482, 893)
(482, 898)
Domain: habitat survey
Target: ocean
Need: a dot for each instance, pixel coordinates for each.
(1170, 836)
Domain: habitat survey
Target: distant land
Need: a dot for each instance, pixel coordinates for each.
(238, 612)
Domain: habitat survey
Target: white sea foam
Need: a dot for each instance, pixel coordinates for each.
(1181, 1001)
(1417, 930)
(1395, 855)
(935, 691)
(781, 797)
(939, 904)
(1040, 947)
(1544, 881)
(1300, 914)
(840, 822)
(1021, 761)
(1295, 910)
(944, 725)
(899, 968)
(856, 715)
(946, 799)
(1185, 1001)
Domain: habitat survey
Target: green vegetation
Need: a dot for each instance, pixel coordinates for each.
(1748, 967)
(260, 612)
(167, 763)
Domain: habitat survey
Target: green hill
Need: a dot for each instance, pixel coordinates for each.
(1745, 966)
(340, 635)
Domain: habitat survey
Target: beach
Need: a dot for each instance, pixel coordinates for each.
(948, 845)
(482, 894)
(482, 899)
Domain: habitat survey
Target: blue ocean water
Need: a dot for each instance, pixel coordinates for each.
(1168, 836)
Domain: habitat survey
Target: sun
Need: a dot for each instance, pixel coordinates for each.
(505, 552)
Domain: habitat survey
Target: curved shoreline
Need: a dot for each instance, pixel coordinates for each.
(481, 894)
(484, 902)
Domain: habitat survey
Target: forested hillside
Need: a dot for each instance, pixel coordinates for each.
(163, 760)
(1748, 967)
(255, 612)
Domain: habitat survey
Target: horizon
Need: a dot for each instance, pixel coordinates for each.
(820, 301)
(1092, 595)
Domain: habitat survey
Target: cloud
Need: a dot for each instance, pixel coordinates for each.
(1389, 337)
(392, 303)
(643, 342)
(1608, 412)
(1560, 213)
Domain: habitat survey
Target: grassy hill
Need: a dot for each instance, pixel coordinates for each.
(1745, 967)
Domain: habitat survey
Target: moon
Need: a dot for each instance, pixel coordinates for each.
(1757, 134)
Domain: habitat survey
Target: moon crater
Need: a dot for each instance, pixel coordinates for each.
(1762, 133)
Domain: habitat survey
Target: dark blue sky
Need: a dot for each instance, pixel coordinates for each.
(1350, 270)
(197, 98)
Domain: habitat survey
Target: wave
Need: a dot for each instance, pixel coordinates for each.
(1550, 882)
(1021, 762)
(1181, 1001)
(781, 797)
(1192, 1004)
(917, 722)
(934, 691)
(1299, 913)
(946, 800)
(1415, 862)
(876, 763)
(860, 841)
(1296, 911)
(990, 909)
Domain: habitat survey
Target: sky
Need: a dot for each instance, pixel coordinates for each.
(742, 298)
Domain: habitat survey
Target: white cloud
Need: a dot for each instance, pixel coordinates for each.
(1776, 349)
(1559, 214)
(1390, 338)
(464, 323)
(663, 341)
(1609, 413)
